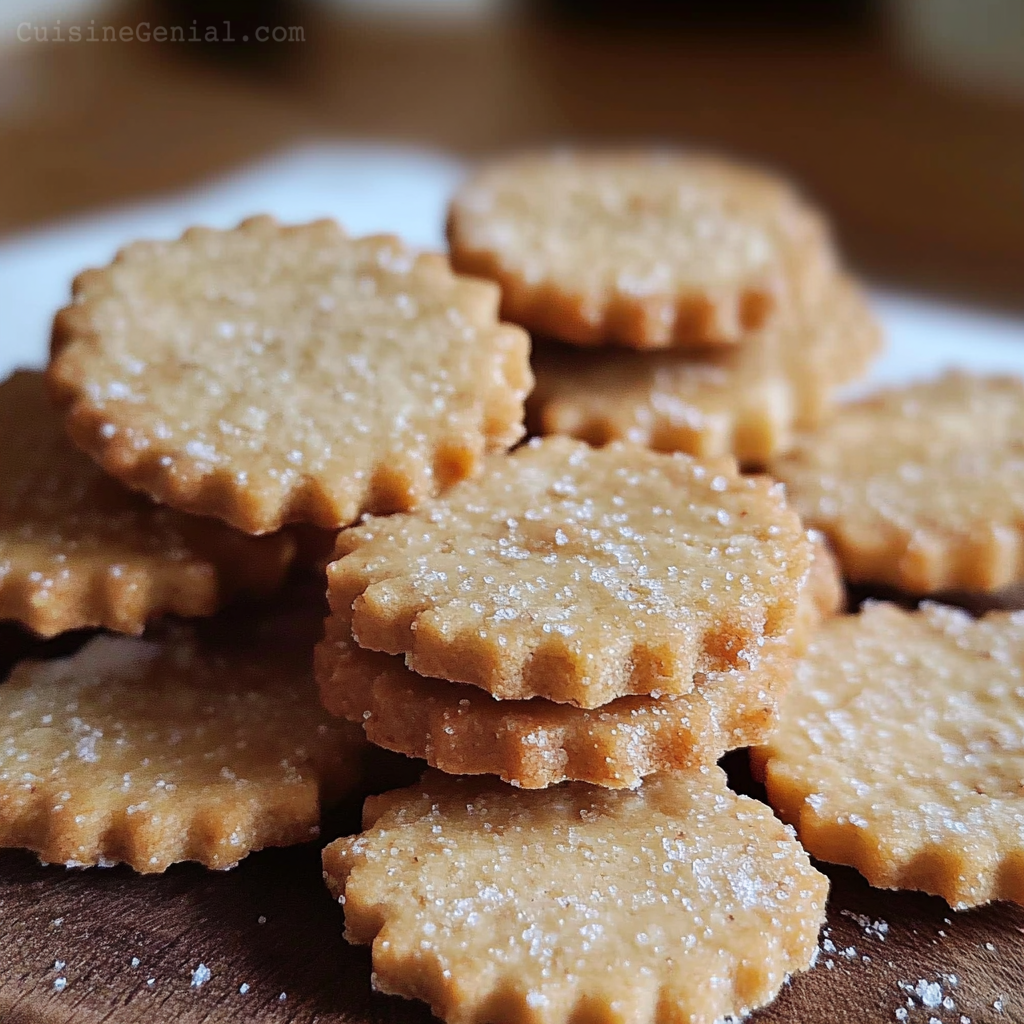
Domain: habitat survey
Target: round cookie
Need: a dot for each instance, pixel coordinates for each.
(272, 374)
(78, 549)
(645, 250)
(920, 487)
(744, 400)
(679, 901)
(149, 752)
(578, 574)
(900, 751)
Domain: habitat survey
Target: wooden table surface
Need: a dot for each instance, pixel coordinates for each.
(300, 971)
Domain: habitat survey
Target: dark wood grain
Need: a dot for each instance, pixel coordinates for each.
(96, 921)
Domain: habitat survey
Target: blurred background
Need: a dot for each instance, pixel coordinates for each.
(904, 118)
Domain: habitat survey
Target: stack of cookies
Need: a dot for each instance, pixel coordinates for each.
(595, 626)
(573, 614)
(596, 615)
(569, 632)
(204, 395)
(681, 302)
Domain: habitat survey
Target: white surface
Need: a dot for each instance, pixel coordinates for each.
(380, 189)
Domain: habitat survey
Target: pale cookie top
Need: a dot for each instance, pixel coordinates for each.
(646, 250)
(578, 574)
(901, 751)
(920, 487)
(274, 374)
(680, 901)
(151, 752)
(743, 400)
(79, 549)
(538, 743)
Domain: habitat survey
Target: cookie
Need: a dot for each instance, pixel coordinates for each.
(537, 743)
(577, 574)
(645, 250)
(680, 901)
(920, 487)
(78, 549)
(150, 752)
(901, 751)
(270, 374)
(744, 400)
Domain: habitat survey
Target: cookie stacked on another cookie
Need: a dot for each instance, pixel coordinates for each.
(574, 613)
(617, 617)
(682, 302)
(251, 383)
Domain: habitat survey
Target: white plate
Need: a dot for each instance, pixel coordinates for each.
(373, 188)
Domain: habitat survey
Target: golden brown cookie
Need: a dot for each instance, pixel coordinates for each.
(152, 752)
(901, 751)
(78, 549)
(648, 250)
(578, 574)
(272, 374)
(680, 901)
(537, 743)
(744, 400)
(920, 487)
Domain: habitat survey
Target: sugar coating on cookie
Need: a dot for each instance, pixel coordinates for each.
(744, 400)
(645, 250)
(274, 374)
(677, 901)
(79, 549)
(901, 751)
(578, 574)
(920, 487)
(149, 752)
(537, 743)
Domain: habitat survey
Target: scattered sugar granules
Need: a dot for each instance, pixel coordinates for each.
(872, 929)
(200, 976)
(929, 992)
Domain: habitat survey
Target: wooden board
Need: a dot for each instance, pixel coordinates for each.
(300, 971)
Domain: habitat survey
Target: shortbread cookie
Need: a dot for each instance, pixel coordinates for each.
(275, 374)
(901, 751)
(680, 901)
(578, 574)
(78, 549)
(745, 400)
(151, 752)
(537, 743)
(645, 250)
(920, 487)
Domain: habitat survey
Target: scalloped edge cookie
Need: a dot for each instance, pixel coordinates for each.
(81, 550)
(107, 379)
(547, 282)
(679, 901)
